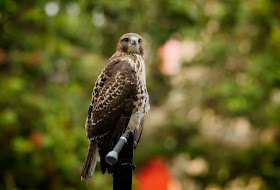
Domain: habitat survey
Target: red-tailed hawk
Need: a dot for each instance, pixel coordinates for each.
(120, 101)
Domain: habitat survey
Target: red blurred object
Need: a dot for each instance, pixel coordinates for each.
(4, 58)
(36, 138)
(35, 57)
(155, 175)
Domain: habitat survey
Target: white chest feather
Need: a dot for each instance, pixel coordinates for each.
(142, 105)
(142, 71)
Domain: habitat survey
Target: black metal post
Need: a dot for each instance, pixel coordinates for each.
(122, 159)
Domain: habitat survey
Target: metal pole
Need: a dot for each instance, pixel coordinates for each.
(122, 159)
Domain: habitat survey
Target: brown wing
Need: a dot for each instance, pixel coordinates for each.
(112, 102)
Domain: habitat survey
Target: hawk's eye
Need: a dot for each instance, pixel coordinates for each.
(140, 40)
(125, 39)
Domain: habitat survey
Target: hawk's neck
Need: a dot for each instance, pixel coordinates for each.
(134, 58)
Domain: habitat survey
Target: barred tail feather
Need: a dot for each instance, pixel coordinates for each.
(90, 162)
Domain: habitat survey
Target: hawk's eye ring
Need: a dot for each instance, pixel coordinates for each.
(125, 39)
(140, 40)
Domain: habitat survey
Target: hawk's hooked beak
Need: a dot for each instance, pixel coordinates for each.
(133, 46)
(134, 42)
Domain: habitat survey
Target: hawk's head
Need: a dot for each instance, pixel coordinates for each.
(131, 43)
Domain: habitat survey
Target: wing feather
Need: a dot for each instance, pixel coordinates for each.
(112, 101)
